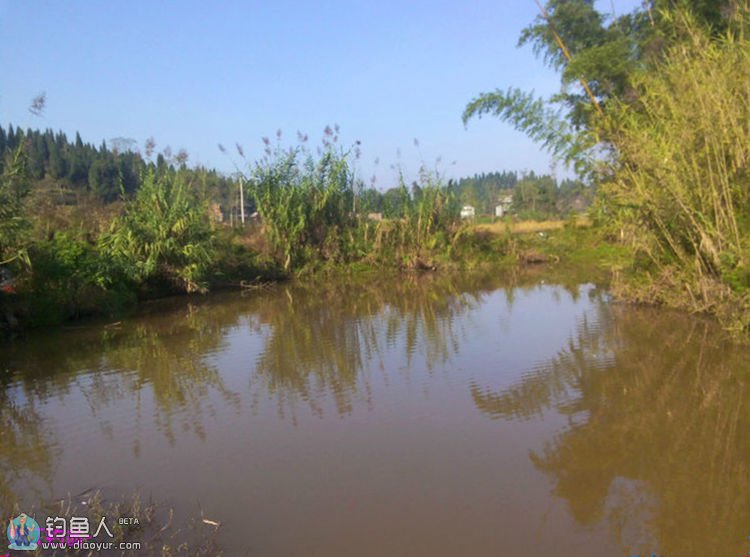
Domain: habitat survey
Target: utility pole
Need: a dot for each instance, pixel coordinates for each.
(242, 203)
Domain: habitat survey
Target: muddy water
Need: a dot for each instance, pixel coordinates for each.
(421, 416)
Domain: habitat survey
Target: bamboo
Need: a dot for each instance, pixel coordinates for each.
(566, 53)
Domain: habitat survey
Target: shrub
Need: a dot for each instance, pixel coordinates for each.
(164, 235)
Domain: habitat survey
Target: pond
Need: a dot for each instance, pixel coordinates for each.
(478, 414)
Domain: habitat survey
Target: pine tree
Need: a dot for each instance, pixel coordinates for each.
(57, 167)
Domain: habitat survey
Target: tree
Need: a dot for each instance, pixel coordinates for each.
(57, 167)
(394, 202)
(103, 179)
(371, 201)
(596, 57)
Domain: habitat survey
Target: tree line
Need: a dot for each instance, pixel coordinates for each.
(75, 171)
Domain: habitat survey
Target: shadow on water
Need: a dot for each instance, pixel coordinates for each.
(657, 444)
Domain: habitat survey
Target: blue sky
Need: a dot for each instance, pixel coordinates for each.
(195, 74)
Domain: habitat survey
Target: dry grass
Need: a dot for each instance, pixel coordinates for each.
(530, 226)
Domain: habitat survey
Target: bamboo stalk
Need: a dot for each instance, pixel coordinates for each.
(566, 53)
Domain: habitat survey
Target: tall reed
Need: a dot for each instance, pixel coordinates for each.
(305, 204)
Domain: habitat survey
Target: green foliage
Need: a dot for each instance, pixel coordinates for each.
(433, 211)
(100, 174)
(306, 204)
(164, 235)
(681, 188)
(427, 225)
(653, 104)
(590, 50)
(543, 124)
(14, 187)
(535, 197)
(395, 201)
(103, 180)
(71, 278)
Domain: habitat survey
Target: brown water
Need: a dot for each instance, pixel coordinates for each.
(421, 416)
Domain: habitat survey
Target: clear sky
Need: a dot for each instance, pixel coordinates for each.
(194, 74)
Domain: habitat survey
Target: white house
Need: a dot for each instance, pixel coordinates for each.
(468, 212)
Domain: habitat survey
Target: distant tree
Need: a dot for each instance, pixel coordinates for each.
(371, 201)
(103, 180)
(483, 190)
(78, 169)
(57, 165)
(37, 155)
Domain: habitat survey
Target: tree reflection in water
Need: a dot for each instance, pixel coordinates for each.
(26, 451)
(318, 341)
(161, 357)
(657, 440)
(323, 339)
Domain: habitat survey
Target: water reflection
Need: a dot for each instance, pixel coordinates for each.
(26, 451)
(656, 445)
(95, 374)
(158, 355)
(653, 404)
(323, 338)
(318, 341)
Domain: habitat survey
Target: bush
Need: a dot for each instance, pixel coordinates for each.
(69, 279)
(164, 235)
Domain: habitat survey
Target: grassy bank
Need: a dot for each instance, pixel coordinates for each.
(94, 259)
(74, 277)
